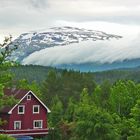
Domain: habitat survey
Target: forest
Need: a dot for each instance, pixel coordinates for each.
(82, 107)
(28, 71)
(84, 110)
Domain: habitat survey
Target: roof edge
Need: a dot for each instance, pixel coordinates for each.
(48, 110)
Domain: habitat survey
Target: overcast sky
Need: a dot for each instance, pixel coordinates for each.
(17, 16)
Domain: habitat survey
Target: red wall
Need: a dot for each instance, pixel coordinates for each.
(28, 117)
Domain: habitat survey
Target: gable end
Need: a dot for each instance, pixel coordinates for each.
(48, 110)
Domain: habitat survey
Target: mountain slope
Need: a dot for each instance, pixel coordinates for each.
(57, 36)
(78, 49)
(39, 74)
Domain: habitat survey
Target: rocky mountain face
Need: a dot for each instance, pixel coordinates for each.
(76, 48)
(57, 36)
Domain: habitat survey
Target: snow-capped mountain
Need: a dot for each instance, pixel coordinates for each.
(57, 36)
(78, 48)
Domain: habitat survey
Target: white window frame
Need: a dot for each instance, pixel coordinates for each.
(23, 109)
(15, 125)
(38, 121)
(28, 97)
(38, 109)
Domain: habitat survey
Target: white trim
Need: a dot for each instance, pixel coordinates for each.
(15, 125)
(48, 110)
(23, 106)
(25, 130)
(41, 102)
(38, 106)
(24, 134)
(28, 97)
(37, 121)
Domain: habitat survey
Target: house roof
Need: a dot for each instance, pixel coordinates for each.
(18, 94)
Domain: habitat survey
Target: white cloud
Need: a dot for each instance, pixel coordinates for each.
(113, 28)
(88, 52)
(25, 15)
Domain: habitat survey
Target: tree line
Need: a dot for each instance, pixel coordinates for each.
(39, 73)
(104, 112)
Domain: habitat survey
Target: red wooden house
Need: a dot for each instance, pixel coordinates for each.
(27, 117)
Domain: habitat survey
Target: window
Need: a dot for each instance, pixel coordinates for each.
(17, 125)
(37, 123)
(21, 109)
(28, 97)
(36, 109)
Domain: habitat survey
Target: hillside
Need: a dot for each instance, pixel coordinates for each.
(76, 48)
(58, 36)
(39, 73)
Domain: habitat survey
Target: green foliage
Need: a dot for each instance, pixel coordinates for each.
(56, 111)
(123, 97)
(5, 51)
(51, 86)
(6, 137)
(39, 74)
(135, 112)
(70, 110)
(110, 112)
(33, 86)
(5, 65)
(101, 94)
(31, 73)
(66, 84)
(134, 138)
(5, 75)
(56, 116)
(93, 122)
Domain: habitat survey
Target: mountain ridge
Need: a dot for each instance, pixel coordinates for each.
(74, 48)
(56, 36)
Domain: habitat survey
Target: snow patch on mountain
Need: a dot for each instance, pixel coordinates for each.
(99, 52)
(56, 36)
